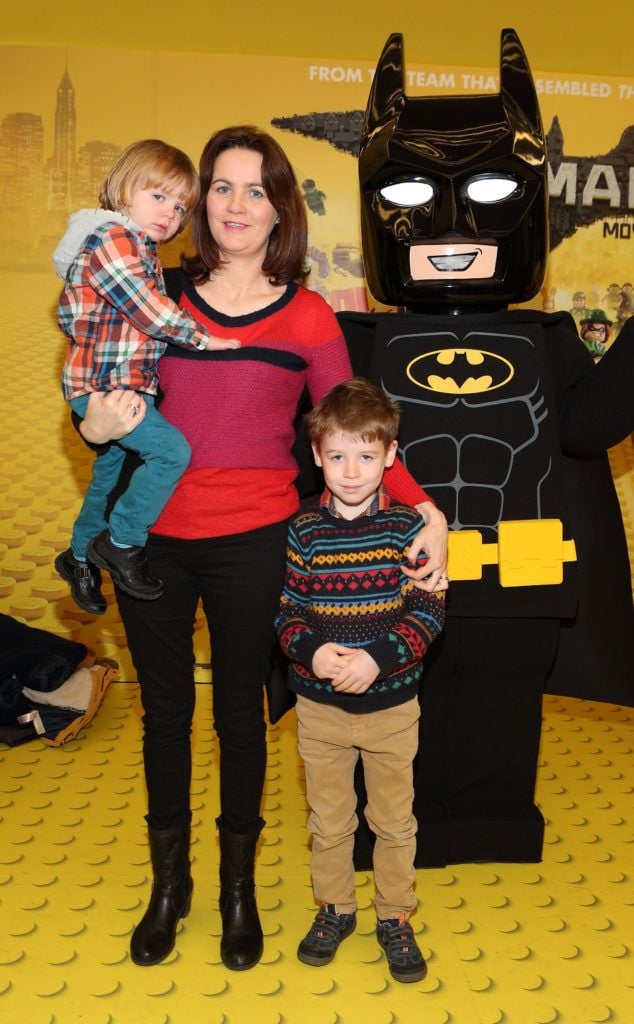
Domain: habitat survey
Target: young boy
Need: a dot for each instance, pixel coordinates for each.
(117, 319)
(356, 629)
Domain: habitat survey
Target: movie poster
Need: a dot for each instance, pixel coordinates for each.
(67, 114)
(64, 117)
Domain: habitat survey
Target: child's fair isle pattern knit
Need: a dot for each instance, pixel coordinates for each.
(344, 584)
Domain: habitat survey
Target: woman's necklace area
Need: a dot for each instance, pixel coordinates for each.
(261, 295)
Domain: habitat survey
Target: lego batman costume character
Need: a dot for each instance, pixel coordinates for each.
(505, 419)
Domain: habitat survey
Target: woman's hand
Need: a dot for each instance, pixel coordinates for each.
(111, 415)
(432, 540)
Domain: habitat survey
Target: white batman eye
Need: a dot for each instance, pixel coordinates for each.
(490, 188)
(407, 193)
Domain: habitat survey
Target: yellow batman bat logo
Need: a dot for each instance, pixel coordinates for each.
(460, 371)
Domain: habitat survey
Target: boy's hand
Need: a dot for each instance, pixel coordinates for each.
(357, 673)
(328, 660)
(222, 343)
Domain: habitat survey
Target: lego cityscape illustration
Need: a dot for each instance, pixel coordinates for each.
(40, 188)
(39, 191)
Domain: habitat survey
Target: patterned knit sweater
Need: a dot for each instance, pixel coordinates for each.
(344, 585)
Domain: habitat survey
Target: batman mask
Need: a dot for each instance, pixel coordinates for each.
(454, 207)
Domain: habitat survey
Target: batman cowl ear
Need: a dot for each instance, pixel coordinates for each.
(387, 94)
(517, 88)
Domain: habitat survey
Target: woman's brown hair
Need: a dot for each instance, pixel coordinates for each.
(286, 254)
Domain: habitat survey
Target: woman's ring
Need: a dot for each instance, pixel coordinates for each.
(134, 409)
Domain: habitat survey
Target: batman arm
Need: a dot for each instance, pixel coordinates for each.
(596, 400)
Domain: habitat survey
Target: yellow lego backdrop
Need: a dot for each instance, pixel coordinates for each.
(530, 943)
(64, 117)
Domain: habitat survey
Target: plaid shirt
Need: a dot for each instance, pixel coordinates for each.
(380, 502)
(116, 315)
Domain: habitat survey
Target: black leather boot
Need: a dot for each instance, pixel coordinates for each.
(241, 944)
(154, 936)
(128, 567)
(84, 580)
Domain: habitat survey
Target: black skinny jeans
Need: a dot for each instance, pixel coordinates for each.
(239, 579)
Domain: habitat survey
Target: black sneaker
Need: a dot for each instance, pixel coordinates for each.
(128, 567)
(84, 580)
(404, 958)
(328, 930)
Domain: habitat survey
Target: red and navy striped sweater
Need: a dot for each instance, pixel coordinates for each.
(344, 584)
(236, 408)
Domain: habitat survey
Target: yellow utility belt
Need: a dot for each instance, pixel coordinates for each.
(529, 552)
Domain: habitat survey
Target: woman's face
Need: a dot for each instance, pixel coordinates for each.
(240, 215)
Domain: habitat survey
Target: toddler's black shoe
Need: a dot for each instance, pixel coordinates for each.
(127, 566)
(328, 930)
(84, 580)
(404, 958)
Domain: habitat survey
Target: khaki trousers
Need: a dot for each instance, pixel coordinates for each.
(330, 741)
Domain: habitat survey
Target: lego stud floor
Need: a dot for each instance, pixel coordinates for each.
(548, 943)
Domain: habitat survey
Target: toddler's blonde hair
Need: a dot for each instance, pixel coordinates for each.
(150, 163)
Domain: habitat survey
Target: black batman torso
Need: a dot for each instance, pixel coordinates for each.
(477, 426)
(527, 447)
(481, 400)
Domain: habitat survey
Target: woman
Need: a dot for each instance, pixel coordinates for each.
(222, 536)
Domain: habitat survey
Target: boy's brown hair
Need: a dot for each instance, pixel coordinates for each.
(150, 163)
(358, 409)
